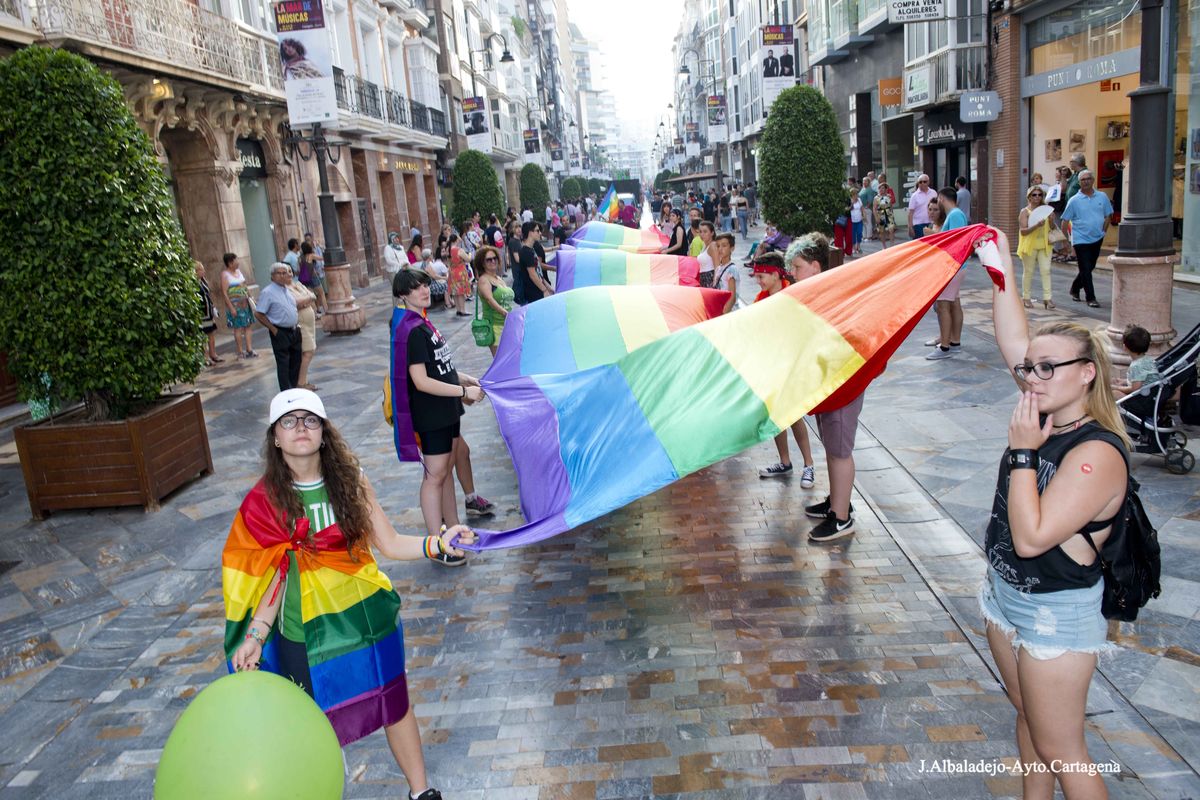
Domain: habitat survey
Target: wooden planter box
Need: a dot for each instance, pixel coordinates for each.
(135, 462)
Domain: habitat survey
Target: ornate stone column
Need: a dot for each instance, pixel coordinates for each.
(1142, 287)
(344, 315)
(1144, 264)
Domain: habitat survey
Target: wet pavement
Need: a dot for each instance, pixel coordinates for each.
(693, 644)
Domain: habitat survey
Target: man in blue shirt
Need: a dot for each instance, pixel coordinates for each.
(1089, 212)
(276, 310)
(292, 256)
(948, 306)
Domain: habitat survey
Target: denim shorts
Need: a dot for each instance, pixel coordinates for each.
(1048, 624)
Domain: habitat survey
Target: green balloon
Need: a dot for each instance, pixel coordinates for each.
(251, 736)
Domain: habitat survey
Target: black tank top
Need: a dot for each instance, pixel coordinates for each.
(1053, 570)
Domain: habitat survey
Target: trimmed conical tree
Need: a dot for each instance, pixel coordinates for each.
(535, 192)
(596, 187)
(571, 189)
(476, 188)
(802, 163)
(88, 233)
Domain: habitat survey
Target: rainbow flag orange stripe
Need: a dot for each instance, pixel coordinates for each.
(605, 234)
(611, 267)
(587, 442)
(352, 634)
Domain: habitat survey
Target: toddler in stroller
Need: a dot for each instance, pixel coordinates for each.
(1147, 397)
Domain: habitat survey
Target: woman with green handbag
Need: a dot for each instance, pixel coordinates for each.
(497, 299)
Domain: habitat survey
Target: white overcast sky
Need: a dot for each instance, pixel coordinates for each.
(635, 37)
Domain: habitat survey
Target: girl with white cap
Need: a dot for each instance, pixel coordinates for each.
(304, 597)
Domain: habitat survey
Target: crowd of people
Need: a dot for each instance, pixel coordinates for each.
(1066, 417)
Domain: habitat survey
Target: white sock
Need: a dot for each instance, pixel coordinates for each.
(471, 497)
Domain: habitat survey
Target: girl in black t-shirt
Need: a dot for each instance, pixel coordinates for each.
(1064, 474)
(436, 394)
(678, 244)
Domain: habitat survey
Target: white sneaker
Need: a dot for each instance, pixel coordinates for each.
(808, 477)
(938, 354)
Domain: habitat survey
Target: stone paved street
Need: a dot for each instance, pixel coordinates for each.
(693, 644)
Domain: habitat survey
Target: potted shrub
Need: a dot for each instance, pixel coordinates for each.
(535, 192)
(801, 138)
(476, 188)
(98, 300)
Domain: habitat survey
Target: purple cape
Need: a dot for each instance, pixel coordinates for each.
(403, 323)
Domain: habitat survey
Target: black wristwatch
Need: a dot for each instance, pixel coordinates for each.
(1023, 459)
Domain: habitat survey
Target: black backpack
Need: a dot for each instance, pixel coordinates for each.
(1130, 559)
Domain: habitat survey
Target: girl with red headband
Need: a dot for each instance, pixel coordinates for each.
(773, 277)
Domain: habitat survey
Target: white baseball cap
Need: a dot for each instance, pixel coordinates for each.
(296, 400)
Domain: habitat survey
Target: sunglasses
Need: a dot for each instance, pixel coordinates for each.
(490, 258)
(1036, 194)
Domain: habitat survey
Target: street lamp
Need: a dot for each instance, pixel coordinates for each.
(506, 57)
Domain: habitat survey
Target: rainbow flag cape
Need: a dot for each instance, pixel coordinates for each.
(605, 234)
(352, 632)
(608, 203)
(585, 443)
(607, 267)
(572, 331)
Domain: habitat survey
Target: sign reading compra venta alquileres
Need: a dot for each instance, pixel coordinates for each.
(901, 11)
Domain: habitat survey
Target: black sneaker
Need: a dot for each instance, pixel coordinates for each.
(429, 794)
(831, 528)
(447, 560)
(821, 510)
(775, 470)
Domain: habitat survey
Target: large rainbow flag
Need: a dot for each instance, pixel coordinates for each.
(572, 331)
(608, 203)
(608, 267)
(587, 442)
(352, 633)
(605, 234)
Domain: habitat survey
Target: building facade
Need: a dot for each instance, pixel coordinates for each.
(204, 82)
(1064, 71)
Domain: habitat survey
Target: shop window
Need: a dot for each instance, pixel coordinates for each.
(1089, 29)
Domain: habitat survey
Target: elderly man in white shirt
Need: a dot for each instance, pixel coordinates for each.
(918, 207)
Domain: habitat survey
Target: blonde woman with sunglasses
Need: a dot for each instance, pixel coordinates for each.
(1033, 246)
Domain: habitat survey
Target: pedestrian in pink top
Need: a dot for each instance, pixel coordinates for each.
(918, 207)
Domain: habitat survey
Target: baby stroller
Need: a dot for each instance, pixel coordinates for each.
(1146, 412)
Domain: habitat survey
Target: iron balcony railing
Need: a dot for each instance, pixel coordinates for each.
(437, 123)
(357, 95)
(174, 33)
(420, 115)
(397, 108)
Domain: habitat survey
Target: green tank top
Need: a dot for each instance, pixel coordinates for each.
(504, 298)
(314, 499)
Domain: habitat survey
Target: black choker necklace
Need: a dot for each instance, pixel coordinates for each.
(1073, 422)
